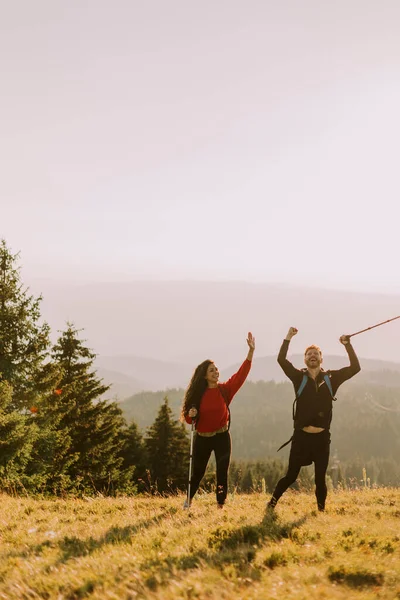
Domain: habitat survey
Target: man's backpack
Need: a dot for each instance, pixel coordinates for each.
(303, 385)
(298, 394)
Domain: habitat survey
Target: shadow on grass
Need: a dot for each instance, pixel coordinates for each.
(226, 545)
(270, 528)
(355, 578)
(74, 547)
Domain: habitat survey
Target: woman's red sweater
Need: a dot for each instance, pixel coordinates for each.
(213, 413)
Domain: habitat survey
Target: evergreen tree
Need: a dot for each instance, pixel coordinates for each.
(16, 437)
(167, 447)
(91, 427)
(24, 342)
(50, 458)
(133, 453)
(247, 483)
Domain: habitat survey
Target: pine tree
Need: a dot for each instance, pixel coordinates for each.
(247, 483)
(133, 453)
(24, 342)
(91, 426)
(16, 438)
(167, 447)
(50, 458)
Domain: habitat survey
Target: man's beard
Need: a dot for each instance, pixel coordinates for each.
(313, 364)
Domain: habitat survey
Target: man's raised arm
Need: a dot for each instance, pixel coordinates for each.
(342, 375)
(286, 365)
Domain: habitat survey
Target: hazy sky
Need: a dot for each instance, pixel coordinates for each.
(254, 140)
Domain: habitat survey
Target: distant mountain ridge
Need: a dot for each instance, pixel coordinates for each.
(144, 373)
(130, 374)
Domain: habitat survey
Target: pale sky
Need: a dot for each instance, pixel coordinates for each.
(252, 140)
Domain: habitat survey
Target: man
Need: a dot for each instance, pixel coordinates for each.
(315, 390)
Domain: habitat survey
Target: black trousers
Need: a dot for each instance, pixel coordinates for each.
(307, 448)
(203, 447)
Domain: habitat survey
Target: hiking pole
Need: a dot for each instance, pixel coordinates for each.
(190, 460)
(373, 326)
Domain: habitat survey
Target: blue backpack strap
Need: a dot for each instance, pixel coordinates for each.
(302, 385)
(299, 391)
(329, 384)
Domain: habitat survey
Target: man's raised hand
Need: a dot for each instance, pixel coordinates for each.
(292, 331)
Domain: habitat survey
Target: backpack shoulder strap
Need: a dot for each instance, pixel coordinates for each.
(298, 392)
(302, 385)
(329, 384)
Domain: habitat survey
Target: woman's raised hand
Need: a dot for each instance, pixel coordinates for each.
(251, 341)
(192, 412)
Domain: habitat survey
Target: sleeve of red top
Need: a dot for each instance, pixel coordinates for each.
(235, 382)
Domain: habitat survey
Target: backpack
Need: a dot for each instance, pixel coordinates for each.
(303, 385)
(298, 394)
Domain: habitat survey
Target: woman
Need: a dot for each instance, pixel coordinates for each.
(206, 402)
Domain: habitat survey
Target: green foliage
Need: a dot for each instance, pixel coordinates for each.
(24, 342)
(91, 428)
(16, 436)
(133, 453)
(167, 448)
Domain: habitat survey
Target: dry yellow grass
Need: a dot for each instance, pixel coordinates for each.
(130, 548)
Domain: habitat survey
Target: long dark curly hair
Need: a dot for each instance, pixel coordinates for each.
(196, 388)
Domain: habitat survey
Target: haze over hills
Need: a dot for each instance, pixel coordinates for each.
(122, 385)
(142, 373)
(124, 371)
(156, 332)
(187, 321)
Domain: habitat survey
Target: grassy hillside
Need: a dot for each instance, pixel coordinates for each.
(150, 548)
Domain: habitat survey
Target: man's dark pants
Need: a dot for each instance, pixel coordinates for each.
(307, 448)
